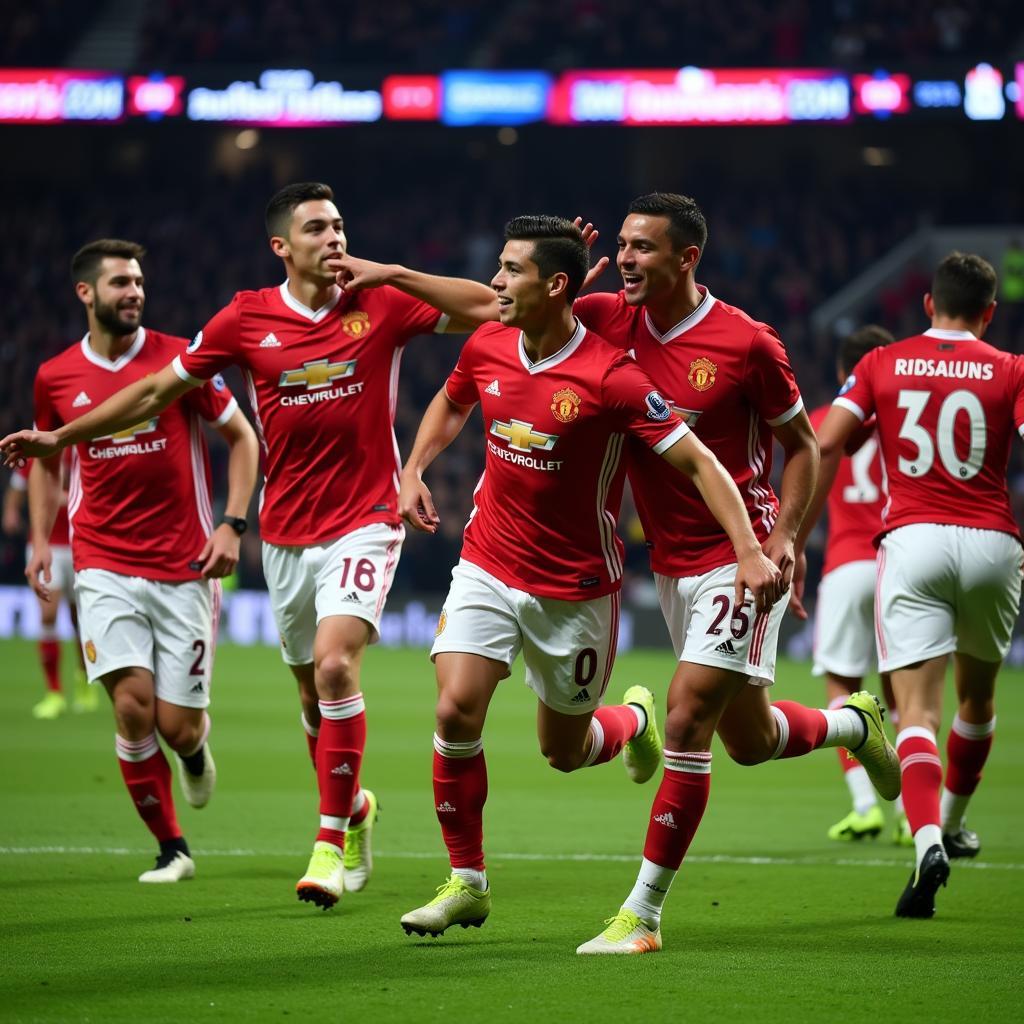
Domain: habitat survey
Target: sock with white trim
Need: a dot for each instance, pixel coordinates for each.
(921, 772)
(967, 750)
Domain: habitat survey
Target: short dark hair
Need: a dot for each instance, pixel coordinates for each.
(558, 247)
(282, 205)
(857, 345)
(686, 224)
(964, 286)
(86, 263)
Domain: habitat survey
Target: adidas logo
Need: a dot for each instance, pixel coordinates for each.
(147, 801)
(726, 647)
(342, 769)
(270, 341)
(445, 808)
(198, 688)
(583, 697)
(81, 399)
(351, 596)
(666, 819)
(493, 389)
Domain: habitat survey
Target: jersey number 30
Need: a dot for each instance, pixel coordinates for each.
(914, 403)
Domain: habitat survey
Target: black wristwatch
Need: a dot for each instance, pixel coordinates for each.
(237, 523)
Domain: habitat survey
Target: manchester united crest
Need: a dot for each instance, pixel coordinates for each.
(356, 324)
(702, 374)
(90, 652)
(441, 623)
(565, 404)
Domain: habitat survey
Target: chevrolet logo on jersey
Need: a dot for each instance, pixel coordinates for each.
(522, 437)
(130, 433)
(319, 373)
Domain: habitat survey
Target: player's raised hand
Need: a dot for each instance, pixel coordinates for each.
(37, 571)
(220, 553)
(796, 590)
(24, 444)
(762, 577)
(353, 274)
(416, 506)
(590, 236)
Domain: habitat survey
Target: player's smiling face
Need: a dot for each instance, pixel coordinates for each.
(524, 297)
(316, 237)
(649, 264)
(118, 297)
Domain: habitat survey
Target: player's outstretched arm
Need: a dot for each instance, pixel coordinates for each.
(45, 495)
(222, 549)
(468, 303)
(442, 423)
(756, 573)
(838, 426)
(136, 403)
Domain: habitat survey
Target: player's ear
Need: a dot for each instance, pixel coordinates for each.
(557, 284)
(986, 317)
(689, 258)
(279, 247)
(929, 306)
(85, 292)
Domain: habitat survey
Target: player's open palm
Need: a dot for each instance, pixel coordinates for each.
(416, 506)
(760, 576)
(590, 236)
(24, 444)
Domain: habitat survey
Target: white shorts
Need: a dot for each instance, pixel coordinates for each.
(844, 621)
(568, 646)
(348, 576)
(707, 630)
(943, 589)
(168, 628)
(62, 569)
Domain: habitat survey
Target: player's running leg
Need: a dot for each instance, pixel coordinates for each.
(918, 692)
(698, 695)
(145, 771)
(187, 731)
(466, 683)
(54, 703)
(305, 677)
(338, 652)
(865, 816)
(967, 749)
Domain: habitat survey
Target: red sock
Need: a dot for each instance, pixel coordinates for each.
(311, 737)
(804, 728)
(610, 729)
(49, 657)
(358, 817)
(966, 754)
(678, 807)
(922, 776)
(339, 756)
(460, 792)
(147, 775)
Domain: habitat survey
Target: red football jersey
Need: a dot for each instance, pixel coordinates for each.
(547, 503)
(855, 502)
(60, 535)
(324, 387)
(138, 499)
(947, 406)
(729, 377)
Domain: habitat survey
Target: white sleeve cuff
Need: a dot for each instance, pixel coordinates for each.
(666, 442)
(853, 407)
(179, 369)
(788, 414)
(230, 411)
(442, 323)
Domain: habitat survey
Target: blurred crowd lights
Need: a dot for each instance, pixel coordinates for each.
(507, 99)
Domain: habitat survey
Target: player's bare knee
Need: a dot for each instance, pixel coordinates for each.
(564, 760)
(335, 675)
(134, 713)
(456, 720)
(748, 753)
(684, 730)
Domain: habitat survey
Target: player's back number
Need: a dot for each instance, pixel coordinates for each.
(953, 405)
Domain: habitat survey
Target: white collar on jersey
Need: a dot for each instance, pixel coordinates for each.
(555, 358)
(316, 315)
(948, 335)
(122, 360)
(691, 320)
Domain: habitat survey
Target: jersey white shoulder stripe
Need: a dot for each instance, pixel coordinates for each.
(845, 403)
(788, 414)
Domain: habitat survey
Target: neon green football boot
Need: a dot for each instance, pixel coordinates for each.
(876, 753)
(53, 705)
(858, 826)
(358, 859)
(456, 902)
(626, 934)
(642, 754)
(322, 882)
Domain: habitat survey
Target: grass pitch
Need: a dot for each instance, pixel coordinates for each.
(767, 921)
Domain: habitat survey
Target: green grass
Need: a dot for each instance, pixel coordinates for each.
(806, 934)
